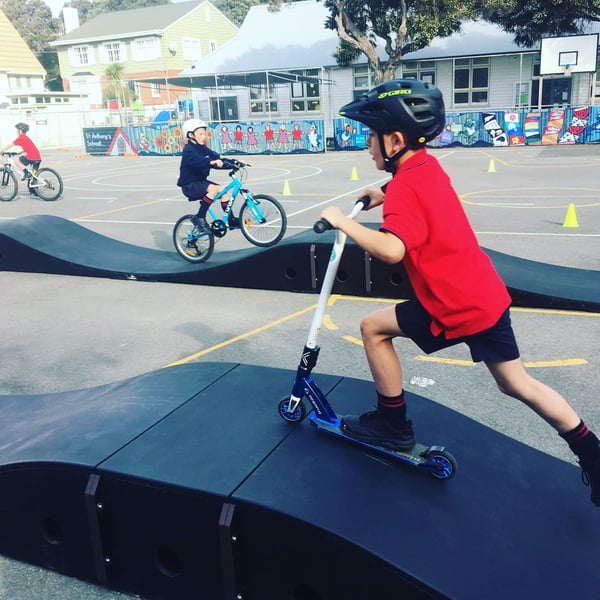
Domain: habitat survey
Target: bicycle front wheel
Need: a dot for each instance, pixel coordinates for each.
(47, 184)
(8, 186)
(263, 220)
(191, 242)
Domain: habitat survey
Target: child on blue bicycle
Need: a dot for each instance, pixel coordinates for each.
(197, 160)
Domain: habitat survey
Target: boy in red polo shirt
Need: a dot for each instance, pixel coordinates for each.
(31, 155)
(459, 295)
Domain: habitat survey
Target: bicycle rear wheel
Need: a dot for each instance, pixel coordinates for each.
(8, 186)
(191, 242)
(47, 184)
(263, 222)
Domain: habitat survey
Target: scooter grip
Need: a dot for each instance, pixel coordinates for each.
(321, 226)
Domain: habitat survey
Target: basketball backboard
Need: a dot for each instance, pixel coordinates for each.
(569, 54)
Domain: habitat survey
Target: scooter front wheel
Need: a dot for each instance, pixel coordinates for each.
(295, 416)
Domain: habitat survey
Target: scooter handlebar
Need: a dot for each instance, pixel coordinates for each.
(323, 225)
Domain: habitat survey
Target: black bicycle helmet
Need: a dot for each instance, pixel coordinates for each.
(414, 107)
(22, 127)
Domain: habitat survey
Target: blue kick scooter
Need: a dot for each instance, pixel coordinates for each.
(435, 460)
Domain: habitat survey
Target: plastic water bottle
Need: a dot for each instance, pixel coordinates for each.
(421, 381)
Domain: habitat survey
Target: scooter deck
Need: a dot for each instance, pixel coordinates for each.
(419, 455)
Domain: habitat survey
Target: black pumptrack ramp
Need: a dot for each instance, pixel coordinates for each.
(186, 483)
(49, 244)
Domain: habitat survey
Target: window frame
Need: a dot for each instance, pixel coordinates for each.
(467, 95)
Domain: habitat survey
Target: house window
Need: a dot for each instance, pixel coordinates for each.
(262, 100)
(212, 45)
(423, 70)
(306, 95)
(362, 81)
(112, 53)
(155, 90)
(191, 48)
(146, 48)
(471, 80)
(81, 55)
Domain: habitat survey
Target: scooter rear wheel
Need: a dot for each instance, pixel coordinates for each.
(299, 414)
(442, 465)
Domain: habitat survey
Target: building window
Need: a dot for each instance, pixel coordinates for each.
(262, 100)
(155, 90)
(191, 48)
(224, 108)
(362, 81)
(212, 45)
(112, 53)
(81, 55)
(147, 48)
(306, 95)
(471, 80)
(423, 70)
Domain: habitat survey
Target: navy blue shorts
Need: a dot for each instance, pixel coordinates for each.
(496, 344)
(197, 189)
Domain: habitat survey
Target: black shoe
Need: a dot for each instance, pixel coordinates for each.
(201, 223)
(233, 222)
(590, 474)
(26, 175)
(374, 429)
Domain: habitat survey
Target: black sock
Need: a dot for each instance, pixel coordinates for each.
(583, 442)
(204, 206)
(392, 408)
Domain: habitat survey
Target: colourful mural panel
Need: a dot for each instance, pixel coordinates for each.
(273, 137)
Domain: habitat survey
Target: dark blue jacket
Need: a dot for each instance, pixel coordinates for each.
(195, 163)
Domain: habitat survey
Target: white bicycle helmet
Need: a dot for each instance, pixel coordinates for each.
(191, 125)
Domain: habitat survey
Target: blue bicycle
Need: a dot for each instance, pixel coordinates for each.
(261, 219)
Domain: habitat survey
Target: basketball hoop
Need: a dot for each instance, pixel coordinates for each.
(567, 70)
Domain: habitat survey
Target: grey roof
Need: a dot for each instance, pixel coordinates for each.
(129, 23)
(476, 38)
(295, 37)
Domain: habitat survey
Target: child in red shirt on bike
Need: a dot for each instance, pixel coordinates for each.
(31, 155)
(459, 295)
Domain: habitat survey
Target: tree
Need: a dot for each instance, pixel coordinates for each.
(403, 26)
(532, 20)
(100, 7)
(236, 10)
(400, 26)
(117, 87)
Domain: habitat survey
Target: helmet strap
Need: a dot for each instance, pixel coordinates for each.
(390, 160)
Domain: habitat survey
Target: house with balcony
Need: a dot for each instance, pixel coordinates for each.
(156, 42)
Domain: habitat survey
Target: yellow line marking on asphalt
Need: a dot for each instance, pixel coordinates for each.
(445, 361)
(329, 324)
(568, 362)
(243, 336)
(354, 340)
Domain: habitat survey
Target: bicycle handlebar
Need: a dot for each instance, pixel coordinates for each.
(323, 225)
(232, 163)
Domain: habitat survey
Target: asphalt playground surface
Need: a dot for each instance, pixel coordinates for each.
(62, 333)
